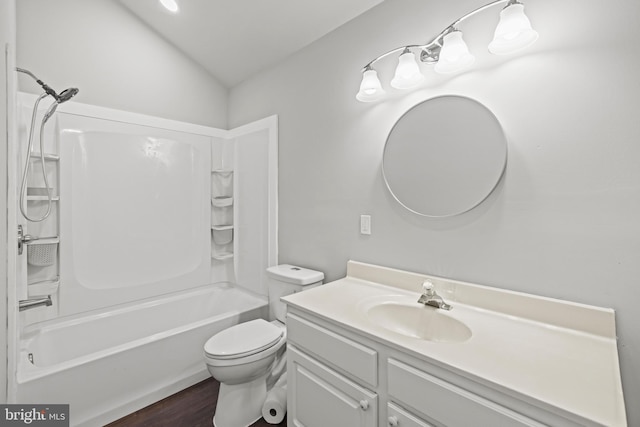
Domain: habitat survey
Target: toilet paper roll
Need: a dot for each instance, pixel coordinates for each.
(275, 405)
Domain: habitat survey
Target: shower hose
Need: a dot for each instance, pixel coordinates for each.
(25, 173)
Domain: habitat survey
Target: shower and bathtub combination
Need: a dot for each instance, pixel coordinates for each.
(160, 235)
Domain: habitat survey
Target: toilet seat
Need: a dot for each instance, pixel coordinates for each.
(242, 340)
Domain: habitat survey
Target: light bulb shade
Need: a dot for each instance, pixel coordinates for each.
(513, 32)
(408, 73)
(370, 88)
(454, 55)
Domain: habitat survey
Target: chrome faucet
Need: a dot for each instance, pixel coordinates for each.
(430, 297)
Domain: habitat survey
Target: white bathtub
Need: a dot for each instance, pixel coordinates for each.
(110, 363)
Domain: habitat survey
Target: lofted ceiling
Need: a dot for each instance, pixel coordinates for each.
(235, 39)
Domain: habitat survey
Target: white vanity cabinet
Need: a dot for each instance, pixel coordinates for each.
(365, 352)
(341, 379)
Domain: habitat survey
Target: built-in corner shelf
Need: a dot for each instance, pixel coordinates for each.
(42, 198)
(47, 156)
(221, 256)
(221, 201)
(39, 194)
(44, 287)
(222, 234)
(222, 229)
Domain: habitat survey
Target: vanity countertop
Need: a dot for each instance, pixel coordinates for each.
(560, 354)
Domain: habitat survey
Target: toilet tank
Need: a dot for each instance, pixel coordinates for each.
(285, 280)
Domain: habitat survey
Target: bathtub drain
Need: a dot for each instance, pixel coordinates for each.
(30, 358)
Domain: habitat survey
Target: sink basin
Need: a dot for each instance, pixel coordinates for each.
(417, 321)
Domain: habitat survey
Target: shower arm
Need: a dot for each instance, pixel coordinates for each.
(63, 96)
(44, 86)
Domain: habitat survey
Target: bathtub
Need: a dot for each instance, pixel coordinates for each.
(109, 363)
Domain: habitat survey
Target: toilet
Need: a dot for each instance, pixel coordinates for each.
(247, 358)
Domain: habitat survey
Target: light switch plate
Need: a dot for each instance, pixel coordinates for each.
(365, 224)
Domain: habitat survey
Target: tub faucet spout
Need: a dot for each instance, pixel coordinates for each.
(431, 298)
(27, 304)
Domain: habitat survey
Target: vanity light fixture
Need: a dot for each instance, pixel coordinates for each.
(448, 52)
(170, 5)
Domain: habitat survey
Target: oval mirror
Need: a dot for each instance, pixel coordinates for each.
(444, 156)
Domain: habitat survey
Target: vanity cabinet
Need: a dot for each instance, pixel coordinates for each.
(498, 358)
(339, 378)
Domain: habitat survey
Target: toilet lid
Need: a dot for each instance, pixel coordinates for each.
(243, 339)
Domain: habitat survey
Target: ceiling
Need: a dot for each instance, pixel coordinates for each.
(235, 39)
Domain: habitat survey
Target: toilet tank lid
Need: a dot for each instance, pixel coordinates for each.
(296, 275)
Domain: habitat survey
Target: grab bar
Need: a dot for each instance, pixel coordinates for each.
(27, 304)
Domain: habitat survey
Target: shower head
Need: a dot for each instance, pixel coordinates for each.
(67, 94)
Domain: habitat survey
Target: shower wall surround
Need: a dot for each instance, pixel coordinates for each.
(134, 208)
(564, 221)
(134, 211)
(138, 241)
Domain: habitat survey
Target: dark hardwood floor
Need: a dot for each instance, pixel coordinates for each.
(192, 407)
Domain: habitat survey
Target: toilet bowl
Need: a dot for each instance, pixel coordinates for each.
(246, 357)
(241, 358)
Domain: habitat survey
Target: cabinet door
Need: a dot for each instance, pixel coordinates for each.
(320, 397)
(398, 417)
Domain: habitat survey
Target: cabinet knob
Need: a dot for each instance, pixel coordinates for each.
(393, 421)
(364, 404)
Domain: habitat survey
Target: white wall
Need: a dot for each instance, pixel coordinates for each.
(7, 60)
(564, 223)
(115, 60)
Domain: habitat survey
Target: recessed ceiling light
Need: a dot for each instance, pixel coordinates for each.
(170, 5)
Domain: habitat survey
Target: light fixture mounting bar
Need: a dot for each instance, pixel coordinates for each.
(481, 8)
(437, 40)
(391, 52)
(448, 52)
